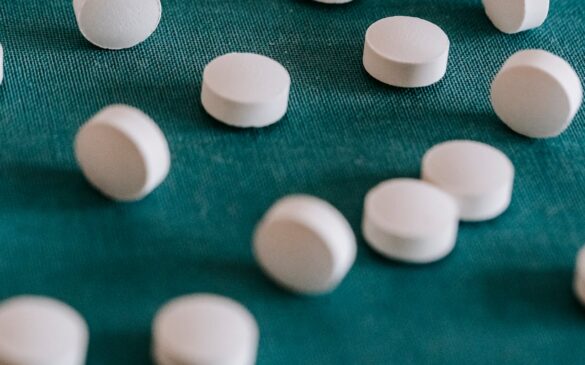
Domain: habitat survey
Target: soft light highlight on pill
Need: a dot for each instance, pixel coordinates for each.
(410, 220)
(406, 52)
(204, 329)
(304, 244)
(122, 153)
(513, 16)
(117, 24)
(38, 330)
(478, 176)
(537, 94)
(245, 90)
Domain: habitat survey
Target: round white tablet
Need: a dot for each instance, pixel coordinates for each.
(304, 244)
(117, 24)
(38, 330)
(245, 90)
(478, 176)
(536, 94)
(204, 329)
(123, 153)
(1, 64)
(513, 16)
(579, 280)
(410, 220)
(406, 52)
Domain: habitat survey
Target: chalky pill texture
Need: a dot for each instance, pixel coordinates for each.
(513, 16)
(117, 24)
(204, 329)
(478, 176)
(38, 330)
(410, 220)
(305, 245)
(579, 279)
(406, 52)
(245, 90)
(123, 153)
(536, 93)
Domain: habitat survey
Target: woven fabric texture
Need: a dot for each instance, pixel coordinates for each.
(502, 297)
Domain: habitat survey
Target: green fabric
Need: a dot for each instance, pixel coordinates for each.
(503, 296)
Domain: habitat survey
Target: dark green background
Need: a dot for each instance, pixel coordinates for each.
(503, 296)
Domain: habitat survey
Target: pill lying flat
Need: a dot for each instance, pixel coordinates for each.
(513, 16)
(204, 329)
(38, 330)
(245, 90)
(117, 24)
(304, 244)
(536, 94)
(406, 52)
(478, 176)
(410, 220)
(123, 153)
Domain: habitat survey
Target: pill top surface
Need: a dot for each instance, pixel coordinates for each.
(122, 152)
(38, 330)
(246, 78)
(512, 16)
(467, 167)
(305, 244)
(410, 208)
(536, 93)
(206, 329)
(117, 24)
(407, 39)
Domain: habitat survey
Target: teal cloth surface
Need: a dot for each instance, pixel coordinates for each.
(502, 297)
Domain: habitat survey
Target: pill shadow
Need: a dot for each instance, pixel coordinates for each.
(515, 295)
(120, 347)
(26, 186)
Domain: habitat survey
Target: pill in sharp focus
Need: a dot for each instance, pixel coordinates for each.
(305, 245)
(410, 220)
(245, 90)
(204, 329)
(123, 153)
(513, 16)
(38, 330)
(406, 52)
(536, 93)
(478, 176)
(117, 24)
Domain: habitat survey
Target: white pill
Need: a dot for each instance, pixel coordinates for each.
(1, 64)
(579, 280)
(245, 90)
(304, 244)
(478, 176)
(41, 331)
(513, 16)
(204, 329)
(406, 52)
(117, 24)
(536, 94)
(410, 220)
(123, 153)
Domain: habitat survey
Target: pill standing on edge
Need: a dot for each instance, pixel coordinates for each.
(410, 220)
(37, 330)
(304, 244)
(579, 279)
(513, 16)
(245, 90)
(123, 153)
(204, 329)
(478, 176)
(536, 94)
(406, 52)
(117, 24)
